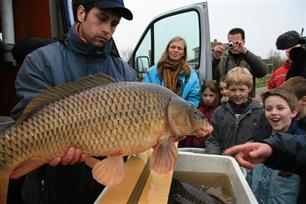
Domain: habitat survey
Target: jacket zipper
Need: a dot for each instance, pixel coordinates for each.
(237, 122)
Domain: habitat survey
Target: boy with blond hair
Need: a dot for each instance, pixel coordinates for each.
(237, 120)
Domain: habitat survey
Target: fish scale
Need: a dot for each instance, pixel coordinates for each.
(103, 120)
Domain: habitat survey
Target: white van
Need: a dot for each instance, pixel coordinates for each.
(190, 22)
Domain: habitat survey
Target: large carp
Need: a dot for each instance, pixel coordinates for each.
(103, 118)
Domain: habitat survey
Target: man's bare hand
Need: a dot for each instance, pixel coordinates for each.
(218, 50)
(238, 47)
(72, 156)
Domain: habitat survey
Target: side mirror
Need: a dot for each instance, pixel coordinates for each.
(142, 64)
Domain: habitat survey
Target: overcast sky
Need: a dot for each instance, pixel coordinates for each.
(262, 20)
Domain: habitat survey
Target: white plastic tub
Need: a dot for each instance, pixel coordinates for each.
(192, 149)
(194, 162)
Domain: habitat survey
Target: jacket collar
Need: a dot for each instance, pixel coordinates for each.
(253, 105)
(73, 42)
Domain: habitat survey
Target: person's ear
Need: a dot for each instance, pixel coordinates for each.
(250, 89)
(81, 12)
(294, 112)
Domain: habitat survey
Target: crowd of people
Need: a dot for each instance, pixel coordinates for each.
(268, 137)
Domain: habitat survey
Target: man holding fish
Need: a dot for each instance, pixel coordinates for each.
(86, 50)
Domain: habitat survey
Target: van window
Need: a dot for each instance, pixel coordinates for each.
(184, 24)
(143, 55)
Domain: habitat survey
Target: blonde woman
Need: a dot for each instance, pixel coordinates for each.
(173, 72)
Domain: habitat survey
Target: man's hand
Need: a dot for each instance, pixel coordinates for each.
(238, 47)
(218, 50)
(249, 154)
(72, 156)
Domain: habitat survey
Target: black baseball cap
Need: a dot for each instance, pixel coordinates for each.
(288, 40)
(111, 4)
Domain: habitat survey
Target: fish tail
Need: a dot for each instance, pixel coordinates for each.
(4, 181)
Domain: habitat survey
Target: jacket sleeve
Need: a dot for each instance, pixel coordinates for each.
(147, 78)
(288, 153)
(215, 64)
(31, 80)
(257, 66)
(271, 84)
(193, 96)
(130, 73)
(150, 75)
(213, 145)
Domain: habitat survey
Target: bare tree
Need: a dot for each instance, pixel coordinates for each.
(275, 59)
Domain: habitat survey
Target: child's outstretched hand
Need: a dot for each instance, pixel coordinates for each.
(249, 154)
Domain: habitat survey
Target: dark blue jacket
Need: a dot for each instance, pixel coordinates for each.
(289, 154)
(53, 65)
(274, 186)
(66, 61)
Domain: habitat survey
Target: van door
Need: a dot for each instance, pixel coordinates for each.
(191, 23)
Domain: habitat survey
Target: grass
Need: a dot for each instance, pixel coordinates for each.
(262, 82)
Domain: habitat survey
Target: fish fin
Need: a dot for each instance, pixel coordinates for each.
(54, 93)
(91, 162)
(4, 182)
(164, 156)
(27, 166)
(109, 171)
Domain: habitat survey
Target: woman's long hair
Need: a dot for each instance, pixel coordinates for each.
(165, 54)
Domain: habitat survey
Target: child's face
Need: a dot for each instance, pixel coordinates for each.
(208, 97)
(239, 93)
(278, 113)
(223, 89)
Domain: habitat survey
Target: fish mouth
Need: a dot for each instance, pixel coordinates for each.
(202, 133)
(205, 130)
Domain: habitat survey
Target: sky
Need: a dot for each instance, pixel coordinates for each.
(262, 20)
